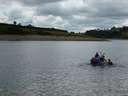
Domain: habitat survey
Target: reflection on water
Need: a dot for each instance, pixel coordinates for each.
(34, 68)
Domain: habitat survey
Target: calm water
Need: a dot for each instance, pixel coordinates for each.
(50, 68)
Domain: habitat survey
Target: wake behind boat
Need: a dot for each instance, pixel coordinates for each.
(100, 60)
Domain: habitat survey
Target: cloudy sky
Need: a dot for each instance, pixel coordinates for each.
(71, 15)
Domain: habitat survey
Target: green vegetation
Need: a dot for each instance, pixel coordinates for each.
(97, 34)
(18, 29)
(119, 32)
(18, 32)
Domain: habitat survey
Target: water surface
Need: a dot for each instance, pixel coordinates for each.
(59, 68)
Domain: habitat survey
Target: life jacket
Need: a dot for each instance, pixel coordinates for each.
(93, 61)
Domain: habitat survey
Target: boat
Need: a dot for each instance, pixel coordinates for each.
(101, 62)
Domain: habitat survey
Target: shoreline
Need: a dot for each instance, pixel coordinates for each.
(47, 38)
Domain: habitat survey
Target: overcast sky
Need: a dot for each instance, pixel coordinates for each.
(71, 15)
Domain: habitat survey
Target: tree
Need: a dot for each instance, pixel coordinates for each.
(19, 24)
(29, 25)
(113, 28)
(14, 22)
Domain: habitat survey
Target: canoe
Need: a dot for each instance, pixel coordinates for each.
(103, 64)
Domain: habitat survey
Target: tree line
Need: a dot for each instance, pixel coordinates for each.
(29, 29)
(114, 32)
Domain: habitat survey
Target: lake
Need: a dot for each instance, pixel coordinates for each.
(61, 68)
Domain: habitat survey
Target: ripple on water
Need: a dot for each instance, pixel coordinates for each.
(35, 75)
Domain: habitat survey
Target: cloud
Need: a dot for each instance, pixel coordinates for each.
(109, 8)
(36, 2)
(72, 15)
(17, 12)
(30, 2)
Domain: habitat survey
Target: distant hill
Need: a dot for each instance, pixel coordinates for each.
(29, 29)
(114, 32)
(17, 32)
(18, 29)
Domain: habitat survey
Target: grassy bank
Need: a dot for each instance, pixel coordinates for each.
(47, 38)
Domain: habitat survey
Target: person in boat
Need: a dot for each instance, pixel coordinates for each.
(97, 58)
(110, 62)
(96, 55)
(102, 59)
(93, 61)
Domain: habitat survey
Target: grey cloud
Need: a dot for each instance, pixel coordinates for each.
(57, 9)
(75, 14)
(37, 2)
(51, 9)
(29, 2)
(110, 9)
(17, 15)
(97, 16)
